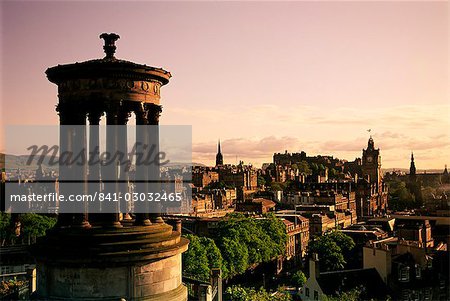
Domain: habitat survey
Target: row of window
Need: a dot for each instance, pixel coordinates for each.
(404, 273)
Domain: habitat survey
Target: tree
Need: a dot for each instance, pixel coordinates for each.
(218, 185)
(35, 225)
(239, 243)
(400, 198)
(428, 193)
(5, 227)
(344, 242)
(261, 181)
(235, 216)
(277, 186)
(332, 248)
(314, 168)
(239, 293)
(246, 242)
(333, 173)
(288, 185)
(236, 256)
(215, 259)
(298, 279)
(248, 235)
(330, 255)
(352, 295)
(201, 256)
(303, 167)
(276, 229)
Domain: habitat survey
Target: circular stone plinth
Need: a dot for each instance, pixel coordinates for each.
(99, 246)
(132, 262)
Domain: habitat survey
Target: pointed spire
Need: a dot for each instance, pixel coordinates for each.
(370, 144)
(219, 156)
(412, 168)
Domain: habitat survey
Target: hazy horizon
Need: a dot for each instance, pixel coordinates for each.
(384, 169)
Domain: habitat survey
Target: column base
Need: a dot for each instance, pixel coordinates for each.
(113, 225)
(145, 222)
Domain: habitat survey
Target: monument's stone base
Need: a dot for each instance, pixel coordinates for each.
(136, 263)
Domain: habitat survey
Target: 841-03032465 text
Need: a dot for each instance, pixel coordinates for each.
(99, 196)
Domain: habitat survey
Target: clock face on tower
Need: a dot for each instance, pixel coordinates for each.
(369, 159)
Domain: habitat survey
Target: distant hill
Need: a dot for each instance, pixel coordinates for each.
(419, 171)
(15, 162)
(181, 164)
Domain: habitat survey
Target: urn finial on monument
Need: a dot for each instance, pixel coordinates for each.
(110, 44)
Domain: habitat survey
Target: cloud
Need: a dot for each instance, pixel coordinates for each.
(248, 147)
(395, 148)
(256, 132)
(347, 146)
(389, 135)
(412, 116)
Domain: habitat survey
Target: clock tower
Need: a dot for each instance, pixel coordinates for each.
(371, 163)
(372, 194)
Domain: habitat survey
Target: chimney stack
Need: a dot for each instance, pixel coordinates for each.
(314, 268)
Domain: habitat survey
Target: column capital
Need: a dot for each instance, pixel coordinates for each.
(124, 112)
(141, 114)
(112, 113)
(94, 116)
(71, 113)
(153, 113)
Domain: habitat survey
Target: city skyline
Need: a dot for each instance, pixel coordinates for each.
(262, 77)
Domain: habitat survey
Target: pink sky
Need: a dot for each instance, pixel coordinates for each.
(263, 77)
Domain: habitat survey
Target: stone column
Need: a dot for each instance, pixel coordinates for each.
(154, 174)
(110, 169)
(79, 168)
(94, 186)
(123, 159)
(141, 175)
(72, 141)
(64, 219)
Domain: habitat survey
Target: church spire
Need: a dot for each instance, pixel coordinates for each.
(412, 168)
(219, 156)
(446, 176)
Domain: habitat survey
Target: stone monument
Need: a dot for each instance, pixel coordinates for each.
(98, 256)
